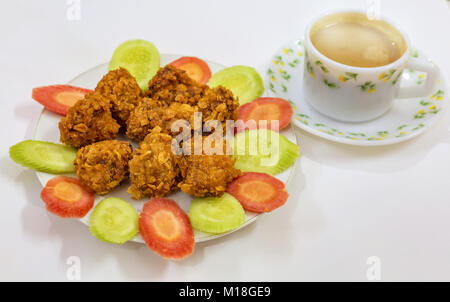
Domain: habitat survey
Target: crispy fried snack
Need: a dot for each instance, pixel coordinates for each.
(88, 121)
(103, 166)
(150, 114)
(206, 175)
(123, 92)
(219, 104)
(171, 84)
(153, 168)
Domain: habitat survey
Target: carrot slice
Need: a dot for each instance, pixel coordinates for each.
(59, 98)
(196, 68)
(67, 198)
(166, 229)
(258, 192)
(265, 109)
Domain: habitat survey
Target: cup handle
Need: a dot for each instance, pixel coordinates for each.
(420, 90)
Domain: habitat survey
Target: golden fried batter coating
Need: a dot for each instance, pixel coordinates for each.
(103, 166)
(171, 85)
(122, 90)
(218, 104)
(206, 175)
(153, 168)
(150, 114)
(88, 121)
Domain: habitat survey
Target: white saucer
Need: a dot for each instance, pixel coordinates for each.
(406, 119)
(47, 130)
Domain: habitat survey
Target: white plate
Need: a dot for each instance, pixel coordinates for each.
(47, 130)
(406, 119)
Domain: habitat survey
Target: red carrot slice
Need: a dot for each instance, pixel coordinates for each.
(67, 198)
(196, 68)
(258, 192)
(59, 98)
(166, 229)
(266, 109)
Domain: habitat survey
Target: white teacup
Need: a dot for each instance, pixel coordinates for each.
(356, 94)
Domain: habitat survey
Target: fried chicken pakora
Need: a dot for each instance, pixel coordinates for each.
(120, 88)
(103, 166)
(206, 174)
(150, 114)
(173, 85)
(88, 121)
(153, 168)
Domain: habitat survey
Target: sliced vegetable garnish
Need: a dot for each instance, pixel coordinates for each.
(67, 198)
(196, 68)
(139, 57)
(266, 109)
(59, 98)
(166, 229)
(243, 81)
(258, 192)
(216, 215)
(44, 156)
(263, 151)
(114, 220)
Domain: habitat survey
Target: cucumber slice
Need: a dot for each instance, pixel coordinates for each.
(44, 156)
(139, 57)
(216, 215)
(263, 151)
(114, 220)
(243, 81)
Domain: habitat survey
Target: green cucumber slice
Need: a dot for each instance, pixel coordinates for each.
(269, 152)
(139, 57)
(243, 81)
(216, 215)
(44, 156)
(114, 220)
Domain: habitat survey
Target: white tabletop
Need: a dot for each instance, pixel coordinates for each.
(347, 203)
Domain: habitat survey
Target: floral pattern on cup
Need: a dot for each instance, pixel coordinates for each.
(348, 76)
(310, 69)
(386, 77)
(329, 84)
(368, 87)
(321, 66)
(397, 78)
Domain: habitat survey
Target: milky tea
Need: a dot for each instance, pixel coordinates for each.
(352, 39)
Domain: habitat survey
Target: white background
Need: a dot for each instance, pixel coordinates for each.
(347, 203)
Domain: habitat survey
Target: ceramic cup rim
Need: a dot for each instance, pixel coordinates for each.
(324, 58)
